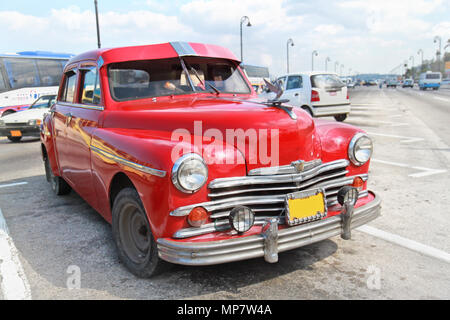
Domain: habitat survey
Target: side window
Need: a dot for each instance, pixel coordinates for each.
(294, 82)
(70, 84)
(50, 72)
(90, 87)
(2, 81)
(22, 72)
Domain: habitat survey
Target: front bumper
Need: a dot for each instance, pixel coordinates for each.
(255, 246)
(29, 131)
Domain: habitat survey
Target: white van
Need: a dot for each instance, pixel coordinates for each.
(319, 93)
(430, 80)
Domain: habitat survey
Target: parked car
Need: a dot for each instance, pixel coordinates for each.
(392, 83)
(27, 122)
(143, 135)
(318, 93)
(408, 83)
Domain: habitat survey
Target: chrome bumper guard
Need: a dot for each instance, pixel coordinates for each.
(269, 242)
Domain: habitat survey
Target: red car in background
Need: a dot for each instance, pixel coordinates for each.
(170, 144)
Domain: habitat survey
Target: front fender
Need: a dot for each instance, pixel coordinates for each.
(124, 150)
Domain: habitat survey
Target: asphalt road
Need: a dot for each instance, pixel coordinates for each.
(402, 255)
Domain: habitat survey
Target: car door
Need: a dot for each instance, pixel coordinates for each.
(293, 92)
(83, 120)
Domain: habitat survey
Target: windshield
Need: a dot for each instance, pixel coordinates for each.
(153, 78)
(326, 81)
(43, 102)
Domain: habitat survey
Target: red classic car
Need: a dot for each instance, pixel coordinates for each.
(170, 144)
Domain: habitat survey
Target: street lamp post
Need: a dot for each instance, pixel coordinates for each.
(341, 69)
(326, 63)
(421, 53)
(335, 66)
(412, 66)
(314, 53)
(289, 42)
(98, 28)
(438, 53)
(243, 20)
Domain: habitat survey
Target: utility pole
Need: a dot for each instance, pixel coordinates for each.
(98, 28)
(243, 19)
(438, 52)
(412, 67)
(326, 63)
(421, 53)
(289, 42)
(314, 53)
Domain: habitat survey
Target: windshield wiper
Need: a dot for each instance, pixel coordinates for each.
(204, 83)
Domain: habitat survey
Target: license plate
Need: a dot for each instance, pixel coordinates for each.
(305, 206)
(16, 133)
(333, 93)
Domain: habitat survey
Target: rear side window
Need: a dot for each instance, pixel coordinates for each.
(70, 84)
(90, 87)
(326, 81)
(2, 82)
(294, 82)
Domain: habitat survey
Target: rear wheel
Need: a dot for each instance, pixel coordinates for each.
(14, 139)
(59, 186)
(340, 117)
(135, 243)
(308, 110)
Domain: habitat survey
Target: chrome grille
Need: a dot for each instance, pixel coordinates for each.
(265, 193)
(16, 124)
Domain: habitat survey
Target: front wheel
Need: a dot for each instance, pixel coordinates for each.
(135, 243)
(340, 117)
(59, 186)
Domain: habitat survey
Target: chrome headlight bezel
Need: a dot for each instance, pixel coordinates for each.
(182, 164)
(353, 146)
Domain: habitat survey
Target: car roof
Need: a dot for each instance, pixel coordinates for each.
(154, 51)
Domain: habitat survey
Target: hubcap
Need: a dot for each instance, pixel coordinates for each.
(134, 233)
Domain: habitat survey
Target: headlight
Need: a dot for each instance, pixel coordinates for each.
(360, 149)
(189, 173)
(34, 122)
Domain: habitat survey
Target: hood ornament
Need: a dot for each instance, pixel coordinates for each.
(277, 102)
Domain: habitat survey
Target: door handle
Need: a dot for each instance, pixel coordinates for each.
(68, 118)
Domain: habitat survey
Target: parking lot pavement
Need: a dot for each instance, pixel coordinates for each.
(57, 237)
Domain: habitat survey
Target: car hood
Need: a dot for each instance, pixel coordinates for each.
(279, 139)
(25, 116)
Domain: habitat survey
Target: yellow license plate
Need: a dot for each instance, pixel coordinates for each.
(16, 133)
(305, 206)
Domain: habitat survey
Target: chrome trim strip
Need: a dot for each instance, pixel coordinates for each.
(247, 247)
(183, 49)
(285, 178)
(255, 200)
(295, 167)
(155, 172)
(79, 105)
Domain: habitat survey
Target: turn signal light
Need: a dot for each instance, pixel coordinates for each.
(358, 183)
(315, 96)
(198, 217)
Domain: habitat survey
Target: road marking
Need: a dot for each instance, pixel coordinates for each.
(407, 243)
(442, 99)
(424, 171)
(12, 184)
(14, 284)
(405, 139)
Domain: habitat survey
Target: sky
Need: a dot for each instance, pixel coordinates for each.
(370, 36)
